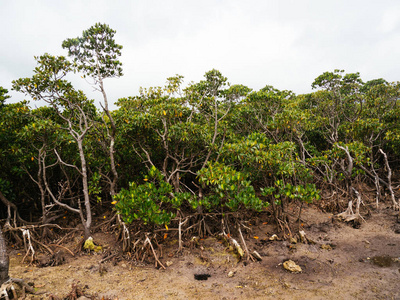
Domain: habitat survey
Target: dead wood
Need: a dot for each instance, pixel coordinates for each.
(348, 215)
(232, 242)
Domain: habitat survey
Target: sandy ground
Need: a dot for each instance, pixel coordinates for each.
(343, 263)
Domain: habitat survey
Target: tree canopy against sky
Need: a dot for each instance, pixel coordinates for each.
(286, 44)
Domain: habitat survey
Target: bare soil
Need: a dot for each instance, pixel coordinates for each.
(344, 262)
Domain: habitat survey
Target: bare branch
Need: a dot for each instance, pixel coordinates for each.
(65, 164)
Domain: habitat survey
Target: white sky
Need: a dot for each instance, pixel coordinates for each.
(282, 43)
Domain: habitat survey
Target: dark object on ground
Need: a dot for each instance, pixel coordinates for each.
(57, 259)
(382, 261)
(201, 276)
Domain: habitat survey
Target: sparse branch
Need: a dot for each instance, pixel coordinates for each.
(55, 199)
(65, 164)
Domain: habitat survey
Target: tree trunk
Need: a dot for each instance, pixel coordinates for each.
(88, 223)
(4, 260)
(111, 135)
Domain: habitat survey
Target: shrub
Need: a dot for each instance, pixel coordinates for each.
(152, 202)
(226, 188)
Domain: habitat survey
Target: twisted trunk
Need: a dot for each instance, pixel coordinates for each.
(4, 260)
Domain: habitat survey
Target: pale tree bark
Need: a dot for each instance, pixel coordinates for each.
(349, 169)
(389, 177)
(111, 136)
(4, 269)
(349, 215)
(4, 260)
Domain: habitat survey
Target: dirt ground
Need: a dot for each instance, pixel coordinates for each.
(343, 263)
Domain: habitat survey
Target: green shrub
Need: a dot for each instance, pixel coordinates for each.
(227, 188)
(306, 193)
(152, 202)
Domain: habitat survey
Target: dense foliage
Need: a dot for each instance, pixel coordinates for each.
(176, 151)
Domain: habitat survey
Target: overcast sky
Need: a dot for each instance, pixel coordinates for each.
(282, 43)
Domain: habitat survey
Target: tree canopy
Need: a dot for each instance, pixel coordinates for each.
(202, 152)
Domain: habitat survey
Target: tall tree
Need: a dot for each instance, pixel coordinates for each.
(96, 54)
(48, 84)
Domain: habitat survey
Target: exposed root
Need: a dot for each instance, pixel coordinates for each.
(348, 215)
(231, 241)
(28, 248)
(283, 226)
(8, 287)
(126, 237)
(147, 241)
(108, 258)
(65, 248)
(43, 245)
(180, 233)
(249, 256)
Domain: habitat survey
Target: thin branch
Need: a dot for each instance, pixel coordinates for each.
(65, 164)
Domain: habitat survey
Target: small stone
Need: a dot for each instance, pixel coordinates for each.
(286, 285)
(169, 263)
(303, 238)
(123, 265)
(326, 247)
(274, 237)
(291, 266)
(231, 274)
